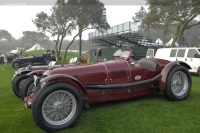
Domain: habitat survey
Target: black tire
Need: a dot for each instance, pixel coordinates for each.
(54, 92)
(178, 84)
(27, 87)
(17, 84)
(47, 61)
(198, 73)
(15, 65)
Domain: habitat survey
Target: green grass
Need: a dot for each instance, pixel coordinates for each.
(152, 114)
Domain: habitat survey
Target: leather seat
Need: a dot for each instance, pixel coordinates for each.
(148, 63)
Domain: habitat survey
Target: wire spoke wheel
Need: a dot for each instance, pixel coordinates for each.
(47, 62)
(16, 65)
(59, 107)
(179, 83)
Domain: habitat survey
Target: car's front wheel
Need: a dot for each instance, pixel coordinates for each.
(178, 84)
(27, 87)
(198, 72)
(17, 83)
(57, 106)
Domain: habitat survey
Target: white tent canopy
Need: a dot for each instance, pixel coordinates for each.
(158, 42)
(170, 43)
(15, 51)
(35, 47)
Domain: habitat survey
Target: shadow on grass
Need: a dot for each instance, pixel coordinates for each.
(153, 97)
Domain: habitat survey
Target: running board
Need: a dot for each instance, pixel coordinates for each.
(120, 86)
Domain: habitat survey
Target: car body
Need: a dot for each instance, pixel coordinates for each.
(10, 57)
(61, 93)
(44, 59)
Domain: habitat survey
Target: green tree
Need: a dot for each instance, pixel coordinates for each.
(89, 14)
(33, 37)
(5, 35)
(173, 16)
(140, 15)
(59, 24)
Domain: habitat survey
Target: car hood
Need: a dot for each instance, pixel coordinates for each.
(86, 70)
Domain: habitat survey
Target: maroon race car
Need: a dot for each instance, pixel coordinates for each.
(62, 92)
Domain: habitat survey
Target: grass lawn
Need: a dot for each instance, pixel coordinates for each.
(149, 114)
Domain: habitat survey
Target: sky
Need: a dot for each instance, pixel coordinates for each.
(16, 18)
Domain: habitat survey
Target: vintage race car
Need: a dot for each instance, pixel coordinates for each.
(10, 57)
(62, 92)
(44, 59)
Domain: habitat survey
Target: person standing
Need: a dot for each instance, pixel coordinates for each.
(95, 55)
(20, 52)
(53, 52)
(5, 60)
(98, 54)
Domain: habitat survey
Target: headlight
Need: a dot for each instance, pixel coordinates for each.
(14, 75)
(36, 80)
(43, 84)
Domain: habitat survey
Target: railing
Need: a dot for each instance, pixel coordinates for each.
(128, 26)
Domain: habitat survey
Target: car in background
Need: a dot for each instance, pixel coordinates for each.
(189, 55)
(44, 59)
(10, 57)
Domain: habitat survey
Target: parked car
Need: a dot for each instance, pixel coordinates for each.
(10, 57)
(44, 59)
(189, 55)
(22, 77)
(61, 93)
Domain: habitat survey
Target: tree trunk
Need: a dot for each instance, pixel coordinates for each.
(181, 28)
(65, 56)
(56, 46)
(163, 37)
(175, 36)
(60, 47)
(80, 43)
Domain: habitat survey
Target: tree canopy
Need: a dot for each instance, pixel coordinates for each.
(59, 24)
(173, 16)
(33, 37)
(89, 14)
(5, 35)
(68, 16)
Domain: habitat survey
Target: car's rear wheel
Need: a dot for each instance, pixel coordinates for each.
(178, 84)
(57, 106)
(15, 65)
(27, 87)
(18, 83)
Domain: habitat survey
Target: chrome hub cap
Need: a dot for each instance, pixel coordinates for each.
(179, 83)
(16, 65)
(59, 107)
